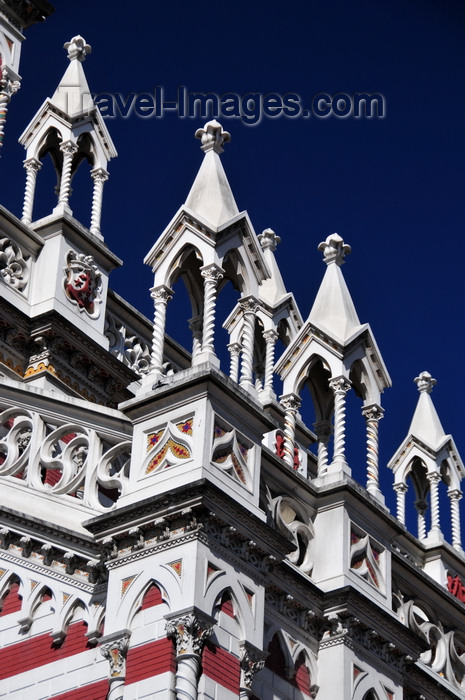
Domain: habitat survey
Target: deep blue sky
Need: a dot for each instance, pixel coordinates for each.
(392, 187)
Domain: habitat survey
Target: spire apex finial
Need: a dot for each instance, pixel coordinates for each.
(334, 249)
(77, 48)
(268, 239)
(213, 137)
(425, 382)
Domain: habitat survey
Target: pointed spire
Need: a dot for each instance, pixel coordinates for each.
(72, 95)
(333, 308)
(210, 196)
(425, 425)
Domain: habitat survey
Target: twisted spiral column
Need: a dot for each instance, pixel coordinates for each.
(211, 274)
(8, 89)
(115, 652)
(421, 507)
(161, 296)
(323, 430)
(195, 326)
(291, 404)
(270, 339)
(234, 352)
(455, 495)
(373, 415)
(68, 148)
(401, 490)
(32, 168)
(340, 387)
(99, 176)
(190, 633)
(4, 100)
(249, 309)
(434, 478)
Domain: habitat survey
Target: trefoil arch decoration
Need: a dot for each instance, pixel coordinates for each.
(169, 446)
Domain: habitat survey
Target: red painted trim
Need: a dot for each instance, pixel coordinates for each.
(93, 691)
(221, 666)
(152, 597)
(12, 601)
(40, 650)
(302, 679)
(226, 605)
(150, 660)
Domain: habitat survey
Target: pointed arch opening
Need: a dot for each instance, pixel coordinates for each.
(184, 318)
(11, 600)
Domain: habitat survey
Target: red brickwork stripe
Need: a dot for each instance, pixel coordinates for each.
(12, 601)
(221, 666)
(152, 597)
(40, 650)
(150, 660)
(93, 691)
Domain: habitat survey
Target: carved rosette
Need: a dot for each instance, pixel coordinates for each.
(83, 283)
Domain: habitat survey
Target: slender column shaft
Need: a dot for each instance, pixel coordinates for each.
(4, 100)
(234, 351)
(249, 309)
(8, 89)
(434, 479)
(99, 176)
(32, 168)
(291, 404)
(195, 324)
(115, 652)
(340, 386)
(455, 495)
(401, 490)
(212, 275)
(421, 507)
(68, 149)
(161, 296)
(372, 415)
(323, 431)
(270, 339)
(187, 677)
(190, 633)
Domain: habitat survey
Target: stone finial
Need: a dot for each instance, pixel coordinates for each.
(269, 240)
(334, 249)
(425, 382)
(77, 48)
(212, 137)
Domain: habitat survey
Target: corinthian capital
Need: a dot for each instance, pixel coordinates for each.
(251, 662)
(115, 652)
(212, 273)
(161, 294)
(190, 632)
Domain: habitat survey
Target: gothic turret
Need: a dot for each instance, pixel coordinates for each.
(332, 353)
(208, 243)
(428, 458)
(69, 128)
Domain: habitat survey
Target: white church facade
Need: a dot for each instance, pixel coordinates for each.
(170, 530)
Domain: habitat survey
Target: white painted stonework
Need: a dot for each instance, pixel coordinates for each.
(170, 527)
